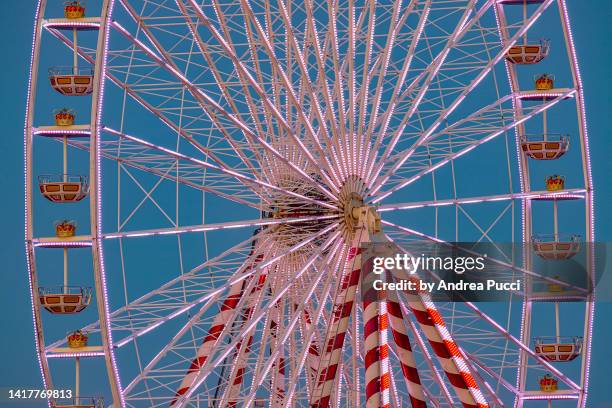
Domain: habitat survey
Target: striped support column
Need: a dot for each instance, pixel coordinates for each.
(447, 351)
(332, 352)
(241, 354)
(240, 360)
(372, 350)
(226, 312)
(277, 382)
(313, 356)
(374, 344)
(405, 355)
(385, 375)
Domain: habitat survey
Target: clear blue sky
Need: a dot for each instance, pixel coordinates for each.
(592, 26)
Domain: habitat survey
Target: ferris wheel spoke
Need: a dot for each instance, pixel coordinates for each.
(385, 57)
(298, 312)
(203, 99)
(230, 311)
(418, 87)
(272, 325)
(322, 118)
(158, 113)
(222, 352)
(249, 16)
(167, 164)
(248, 181)
(573, 192)
(168, 301)
(466, 134)
(312, 35)
(468, 84)
(215, 111)
(222, 85)
(246, 274)
(216, 226)
(269, 335)
(360, 105)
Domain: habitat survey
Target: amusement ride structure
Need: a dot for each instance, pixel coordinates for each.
(249, 150)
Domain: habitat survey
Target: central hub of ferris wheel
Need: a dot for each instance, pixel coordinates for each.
(349, 200)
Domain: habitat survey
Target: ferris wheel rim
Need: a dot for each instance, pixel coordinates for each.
(98, 158)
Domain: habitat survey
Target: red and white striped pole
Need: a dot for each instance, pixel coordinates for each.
(227, 310)
(374, 344)
(405, 355)
(447, 351)
(343, 306)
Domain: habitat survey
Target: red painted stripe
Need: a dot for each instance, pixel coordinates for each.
(394, 309)
(231, 302)
(336, 342)
(440, 349)
(417, 403)
(457, 380)
(322, 403)
(281, 366)
(385, 381)
(422, 317)
(180, 392)
(372, 388)
(401, 339)
(469, 380)
(197, 364)
(411, 373)
(343, 311)
(370, 326)
(384, 351)
(384, 322)
(435, 316)
(239, 374)
(329, 373)
(351, 279)
(453, 348)
(371, 357)
(353, 252)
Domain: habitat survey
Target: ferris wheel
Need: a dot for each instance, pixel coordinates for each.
(202, 177)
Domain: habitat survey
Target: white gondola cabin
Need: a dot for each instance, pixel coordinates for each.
(528, 53)
(558, 349)
(557, 247)
(65, 299)
(545, 147)
(72, 81)
(63, 188)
